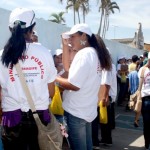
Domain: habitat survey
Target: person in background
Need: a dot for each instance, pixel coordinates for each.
(133, 65)
(122, 80)
(60, 72)
(140, 62)
(145, 94)
(58, 61)
(109, 80)
(145, 56)
(128, 60)
(19, 128)
(80, 98)
(133, 86)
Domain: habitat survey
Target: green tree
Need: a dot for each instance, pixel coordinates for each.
(102, 7)
(84, 6)
(108, 10)
(57, 18)
(78, 5)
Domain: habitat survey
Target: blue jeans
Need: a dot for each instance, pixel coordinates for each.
(80, 133)
(59, 118)
(146, 120)
(1, 145)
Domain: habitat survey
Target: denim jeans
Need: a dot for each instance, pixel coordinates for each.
(80, 133)
(59, 118)
(146, 120)
(1, 145)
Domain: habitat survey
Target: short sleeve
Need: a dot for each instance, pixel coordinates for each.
(106, 77)
(51, 69)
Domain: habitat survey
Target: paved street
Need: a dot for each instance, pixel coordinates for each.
(125, 135)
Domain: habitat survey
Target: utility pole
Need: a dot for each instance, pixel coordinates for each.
(115, 30)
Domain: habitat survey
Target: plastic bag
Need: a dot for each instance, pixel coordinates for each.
(103, 113)
(56, 104)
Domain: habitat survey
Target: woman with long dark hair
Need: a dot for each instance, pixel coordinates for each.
(19, 128)
(80, 97)
(144, 73)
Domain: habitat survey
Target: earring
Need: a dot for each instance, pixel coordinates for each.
(82, 42)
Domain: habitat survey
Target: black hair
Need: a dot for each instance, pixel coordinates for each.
(96, 42)
(145, 54)
(16, 45)
(135, 58)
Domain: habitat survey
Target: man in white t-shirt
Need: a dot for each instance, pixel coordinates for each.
(109, 79)
(108, 86)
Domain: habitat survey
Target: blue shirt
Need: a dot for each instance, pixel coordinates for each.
(133, 81)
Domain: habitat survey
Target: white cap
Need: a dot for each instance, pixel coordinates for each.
(141, 56)
(58, 52)
(121, 57)
(22, 14)
(149, 55)
(80, 27)
(35, 33)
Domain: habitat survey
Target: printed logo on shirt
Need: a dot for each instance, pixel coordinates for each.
(99, 68)
(11, 75)
(40, 64)
(35, 69)
(147, 79)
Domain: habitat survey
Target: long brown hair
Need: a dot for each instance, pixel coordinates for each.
(16, 44)
(103, 54)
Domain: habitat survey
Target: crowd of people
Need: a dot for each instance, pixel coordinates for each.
(129, 77)
(83, 69)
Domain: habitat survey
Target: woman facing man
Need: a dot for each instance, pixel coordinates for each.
(80, 97)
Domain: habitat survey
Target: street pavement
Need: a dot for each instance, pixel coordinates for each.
(125, 136)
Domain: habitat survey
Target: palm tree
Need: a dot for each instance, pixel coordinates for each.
(75, 5)
(78, 5)
(102, 9)
(57, 18)
(84, 6)
(108, 10)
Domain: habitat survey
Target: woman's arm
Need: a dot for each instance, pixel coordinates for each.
(103, 94)
(62, 82)
(51, 89)
(65, 55)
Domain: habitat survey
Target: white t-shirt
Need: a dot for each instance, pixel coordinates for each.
(109, 78)
(38, 69)
(118, 68)
(85, 73)
(146, 84)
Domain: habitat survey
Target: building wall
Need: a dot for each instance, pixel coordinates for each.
(49, 35)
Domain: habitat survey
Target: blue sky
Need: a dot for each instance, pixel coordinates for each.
(123, 24)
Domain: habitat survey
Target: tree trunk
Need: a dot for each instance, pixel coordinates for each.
(100, 25)
(83, 16)
(74, 16)
(104, 26)
(78, 16)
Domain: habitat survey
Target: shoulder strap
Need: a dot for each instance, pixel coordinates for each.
(141, 78)
(26, 89)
